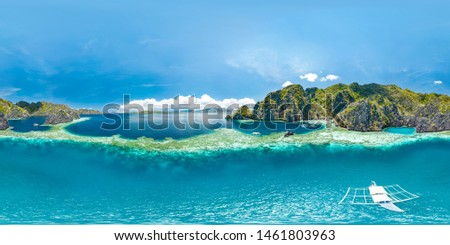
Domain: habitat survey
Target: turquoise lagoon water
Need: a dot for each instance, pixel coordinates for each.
(401, 130)
(65, 182)
(267, 128)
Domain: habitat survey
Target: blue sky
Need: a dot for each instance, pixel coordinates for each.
(88, 53)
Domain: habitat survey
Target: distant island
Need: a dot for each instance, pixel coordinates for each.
(370, 107)
(55, 113)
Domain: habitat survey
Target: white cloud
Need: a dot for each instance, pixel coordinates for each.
(438, 82)
(202, 101)
(329, 77)
(287, 83)
(8, 91)
(332, 77)
(310, 77)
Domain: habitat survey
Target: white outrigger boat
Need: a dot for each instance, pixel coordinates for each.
(385, 196)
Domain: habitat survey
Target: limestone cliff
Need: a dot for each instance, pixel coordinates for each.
(3, 122)
(62, 116)
(56, 113)
(370, 107)
(11, 111)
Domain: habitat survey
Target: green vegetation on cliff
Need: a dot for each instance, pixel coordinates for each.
(29, 107)
(56, 113)
(43, 108)
(11, 111)
(370, 107)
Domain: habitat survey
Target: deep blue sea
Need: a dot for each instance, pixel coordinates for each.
(28, 124)
(93, 126)
(66, 182)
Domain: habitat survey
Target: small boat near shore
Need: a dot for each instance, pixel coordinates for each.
(385, 196)
(288, 133)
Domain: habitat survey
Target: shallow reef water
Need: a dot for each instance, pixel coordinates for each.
(67, 181)
(225, 176)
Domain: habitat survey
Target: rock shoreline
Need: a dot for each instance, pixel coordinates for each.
(363, 108)
(55, 113)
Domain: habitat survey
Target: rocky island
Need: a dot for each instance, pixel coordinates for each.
(55, 113)
(3, 123)
(370, 107)
(85, 111)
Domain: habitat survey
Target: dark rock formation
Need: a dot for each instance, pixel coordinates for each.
(62, 116)
(43, 108)
(3, 122)
(30, 107)
(360, 116)
(392, 116)
(429, 119)
(237, 116)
